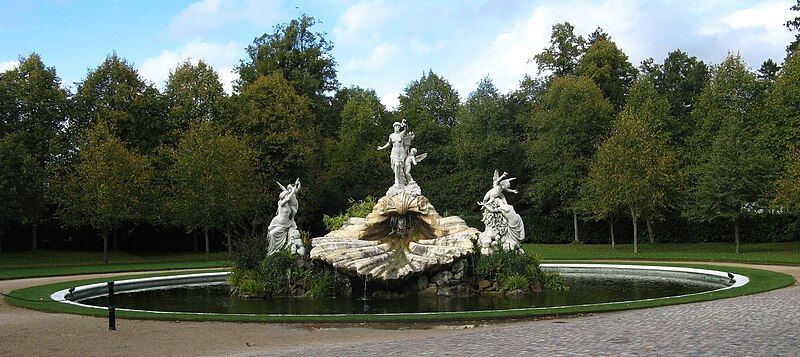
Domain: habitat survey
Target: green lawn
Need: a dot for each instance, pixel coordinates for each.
(16, 265)
(758, 253)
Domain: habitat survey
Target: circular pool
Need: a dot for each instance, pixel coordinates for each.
(590, 285)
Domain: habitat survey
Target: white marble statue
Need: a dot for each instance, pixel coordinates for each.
(401, 159)
(282, 230)
(504, 227)
(498, 186)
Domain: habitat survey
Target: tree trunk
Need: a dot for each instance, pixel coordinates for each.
(228, 235)
(35, 237)
(105, 246)
(205, 232)
(635, 233)
(115, 240)
(736, 234)
(575, 225)
(613, 243)
(195, 238)
(650, 229)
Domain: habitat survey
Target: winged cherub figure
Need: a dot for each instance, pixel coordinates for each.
(412, 159)
(499, 185)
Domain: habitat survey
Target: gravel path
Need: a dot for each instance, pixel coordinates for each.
(766, 324)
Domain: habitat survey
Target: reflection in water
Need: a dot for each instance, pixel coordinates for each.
(584, 289)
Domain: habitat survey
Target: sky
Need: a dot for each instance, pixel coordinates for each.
(383, 45)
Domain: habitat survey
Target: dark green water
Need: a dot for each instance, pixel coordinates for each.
(583, 290)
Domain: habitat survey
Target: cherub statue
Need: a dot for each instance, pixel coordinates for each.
(498, 186)
(412, 159)
(282, 230)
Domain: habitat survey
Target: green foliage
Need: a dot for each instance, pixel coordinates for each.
(794, 25)
(561, 57)
(302, 57)
(788, 184)
(22, 183)
(564, 134)
(115, 95)
(109, 184)
(214, 180)
(609, 67)
(514, 271)
(731, 178)
(360, 208)
(327, 283)
(193, 94)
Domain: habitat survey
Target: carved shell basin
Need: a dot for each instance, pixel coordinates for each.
(377, 247)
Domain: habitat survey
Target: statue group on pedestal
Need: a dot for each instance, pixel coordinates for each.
(504, 227)
(282, 230)
(402, 158)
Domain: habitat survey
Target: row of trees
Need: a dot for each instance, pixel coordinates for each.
(591, 138)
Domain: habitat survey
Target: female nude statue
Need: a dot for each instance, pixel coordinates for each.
(400, 141)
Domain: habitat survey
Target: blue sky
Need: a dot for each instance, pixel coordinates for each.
(383, 45)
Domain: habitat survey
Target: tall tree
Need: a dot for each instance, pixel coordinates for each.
(787, 195)
(22, 181)
(731, 178)
(780, 126)
(733, 93)
(301, 56)
(682, 79)
(34, 107)
(215, 183)
(279, 125)
(561, 57)
(115, 95)
(635, 168)
(108, 186)
(485, 139)
(794, 25)
(193, 94)
(609, 67)
(563, 136)
(431, 105)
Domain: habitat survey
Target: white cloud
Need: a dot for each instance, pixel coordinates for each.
(378, 57)
(222, 57)
(7, 66)
(360, 18)
(206, 16)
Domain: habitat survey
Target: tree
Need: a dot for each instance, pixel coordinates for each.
(733, 93)
(730, 179)
(794, 25)
(114, 94)
(635, 168)
(564, 133)
(607, 66)
(561, 57)
(431, 105)
(682, 79)
(33, 108)
(214, 181)
(108, 186)
(485, 139)
(301, 56)
(278, 124)
(357, 169)
(788, 184)
(22, 182)
(193, 94)
(781, 126)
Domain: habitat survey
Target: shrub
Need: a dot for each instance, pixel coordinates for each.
(357, 209)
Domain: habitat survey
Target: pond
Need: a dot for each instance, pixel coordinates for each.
(587, 286)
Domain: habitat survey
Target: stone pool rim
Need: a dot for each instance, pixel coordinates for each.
(90, 290)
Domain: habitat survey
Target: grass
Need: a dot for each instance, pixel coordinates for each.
(38, 298)
(787, 253)
(18, 265)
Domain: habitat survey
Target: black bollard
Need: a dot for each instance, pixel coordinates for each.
(112, 323)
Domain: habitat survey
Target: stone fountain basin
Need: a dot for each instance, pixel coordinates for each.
(717, 279)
